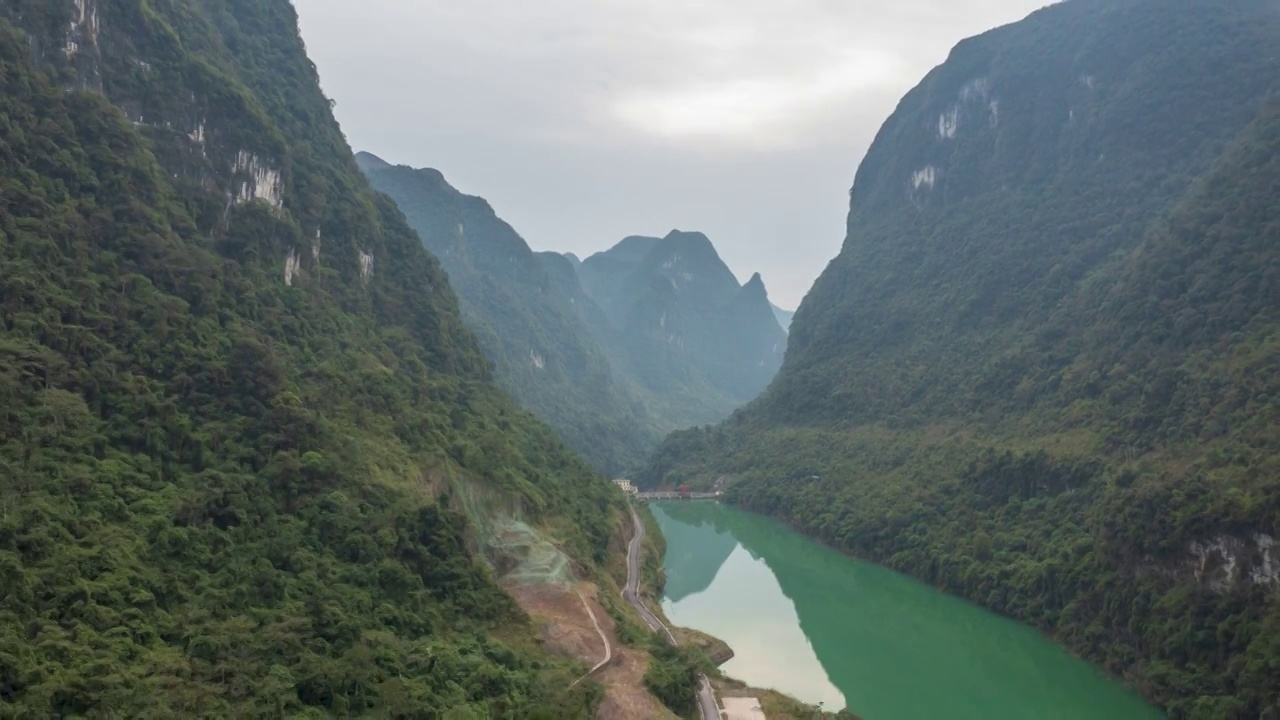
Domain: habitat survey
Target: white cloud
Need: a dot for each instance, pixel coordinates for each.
(586, 120)
(765, 110)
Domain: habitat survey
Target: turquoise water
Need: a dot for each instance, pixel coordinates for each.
(822, 627)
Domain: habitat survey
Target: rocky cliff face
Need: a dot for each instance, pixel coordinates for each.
(999, 185)
(1227, 563)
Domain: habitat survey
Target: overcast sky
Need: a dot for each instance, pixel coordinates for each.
(583, 121)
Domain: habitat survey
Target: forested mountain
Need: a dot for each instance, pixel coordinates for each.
(680, 324)
(238, 406)
(523, 314)
(1044, 370)
(652, 335)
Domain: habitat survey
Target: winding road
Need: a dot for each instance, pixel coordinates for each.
(631, 593)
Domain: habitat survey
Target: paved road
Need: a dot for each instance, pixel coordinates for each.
(707, 700)
(665, 495)
(631, 593)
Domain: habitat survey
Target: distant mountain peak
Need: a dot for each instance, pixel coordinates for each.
(531, 315)
(634, 240)
(692, 240)
(692, 234)
(369, 161)
(692, 254)
(754, 293)
(687, 325)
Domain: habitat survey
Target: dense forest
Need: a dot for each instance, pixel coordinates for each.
(1044, 371)
(237, 401)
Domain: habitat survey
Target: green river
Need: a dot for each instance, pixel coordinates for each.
(822, 627)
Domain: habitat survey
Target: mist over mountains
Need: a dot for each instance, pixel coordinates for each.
(614, 351)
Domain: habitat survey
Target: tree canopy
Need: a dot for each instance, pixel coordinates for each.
(1043, 371)
(237, 399)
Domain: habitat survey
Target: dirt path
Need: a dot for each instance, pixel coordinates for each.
(574, 624)
(608, 646)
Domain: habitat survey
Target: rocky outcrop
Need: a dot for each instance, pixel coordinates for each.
(1226, 562)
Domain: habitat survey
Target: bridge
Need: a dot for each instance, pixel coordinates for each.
(675, 495)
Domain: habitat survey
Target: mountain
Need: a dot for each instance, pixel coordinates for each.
(652, 335)
(523, 314)
(253, 464)
(783, 316)
(600, 273)
(1043, 371)
(678, 321)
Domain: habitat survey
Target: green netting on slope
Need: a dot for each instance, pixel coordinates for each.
(537, 561)
(516, 550)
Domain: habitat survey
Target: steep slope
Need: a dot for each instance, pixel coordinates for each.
(604, 273)
(783, 316)
(238, 408)
(563, 273)
(680, 324)
(524, 319)
(1042, 373)
(744, 350)
(619, 278)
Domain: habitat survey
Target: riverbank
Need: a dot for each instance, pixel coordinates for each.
(715, 649)
(775, 705)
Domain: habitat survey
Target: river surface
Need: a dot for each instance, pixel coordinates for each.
(822, 627)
